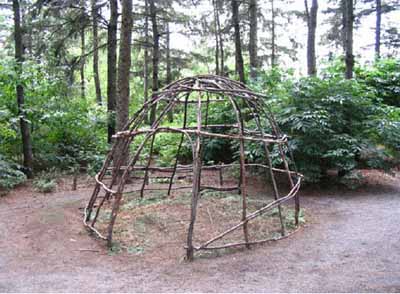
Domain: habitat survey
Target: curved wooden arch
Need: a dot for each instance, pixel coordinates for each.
(220, 89)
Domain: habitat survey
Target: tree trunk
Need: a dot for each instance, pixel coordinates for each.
(124, 65)
(24, 125)
(217, 51)
(156, 56)
(96, 52)
(238, 45)
(253, 39)
(112, 68)
(312, 25)
(348, 30)
(169, 73)
(83, 59)
(378, 29)
(273, 53)
(221, 42)
(146, 53)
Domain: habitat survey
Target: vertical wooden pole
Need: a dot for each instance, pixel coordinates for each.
(146, 172)
(275, 187)
(196, 184)
(297, 202)
(171, 180)
(221, 177)
(242, 186)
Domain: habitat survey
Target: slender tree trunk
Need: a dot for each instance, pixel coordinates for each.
(217, 50)
(146, 53)
(348, 18)
(124, 65)
(112, 68)
(238, 45)
(169, 73)
(312, 25)
(82, 63)
(273, 53)
(156, 56)
(253, 39)
(220, 40)
(378, 29)
(96, 52)
(24, 125)
(83, 45)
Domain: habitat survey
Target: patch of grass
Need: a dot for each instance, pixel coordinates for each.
(104, 216)
(290, 218)
(157, 197)
(153, 220)
(45, 185)
(160, 180)
(46, 182)
(115, 248)
(135, 250)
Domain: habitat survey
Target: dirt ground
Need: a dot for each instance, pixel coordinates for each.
(350, 243)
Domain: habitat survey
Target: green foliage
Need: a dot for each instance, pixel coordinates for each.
(10, 174)
(352, 180)
(384, 78)
(333, 123)
(65, 130)
(166, 148)
(290, 219)
(45, 182)
(44, 186)
(325, 119)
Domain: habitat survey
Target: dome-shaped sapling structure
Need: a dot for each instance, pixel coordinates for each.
(131, 159)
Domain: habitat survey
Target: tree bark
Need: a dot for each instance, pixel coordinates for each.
(96, 52)
(146, 53)
(273, 53)
(253, 39)
(217, 50)
(169, 72)
(221, 41)
(24, 125)
(312, 25)
(124, 64)
(156, 56)
(83, 45)
(378, 29)
(112, 68)
(238, 45)
(348, 30)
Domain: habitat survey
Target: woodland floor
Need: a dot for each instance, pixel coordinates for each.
(350, 243)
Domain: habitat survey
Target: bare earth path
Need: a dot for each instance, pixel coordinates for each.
(351, 244)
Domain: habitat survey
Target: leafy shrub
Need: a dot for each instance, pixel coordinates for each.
(384, 78)
(10, 174)
(166, 148)
(322, 117)
(352, 180)
(65, 130)
(331, 122)
(45, 182)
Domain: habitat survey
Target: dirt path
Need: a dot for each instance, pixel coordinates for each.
(351, 244)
